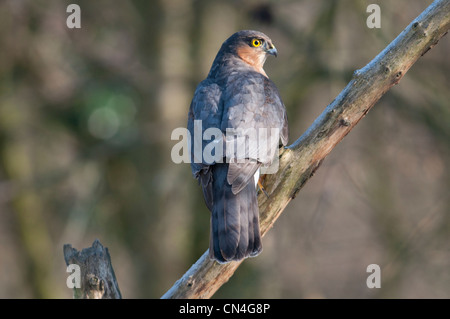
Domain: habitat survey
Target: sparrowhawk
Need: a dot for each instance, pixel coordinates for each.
(238, 98)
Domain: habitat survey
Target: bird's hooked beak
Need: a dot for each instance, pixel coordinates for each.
(270, 49)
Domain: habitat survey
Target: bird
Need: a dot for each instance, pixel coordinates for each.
(237, 96)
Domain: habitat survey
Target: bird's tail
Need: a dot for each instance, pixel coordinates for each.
(234, 220)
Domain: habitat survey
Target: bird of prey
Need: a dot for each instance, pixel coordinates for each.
(237, 98)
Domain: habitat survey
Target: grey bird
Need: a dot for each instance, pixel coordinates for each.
(237, 96)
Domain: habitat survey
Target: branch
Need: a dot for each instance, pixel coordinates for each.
(299, 161)
(98, 280)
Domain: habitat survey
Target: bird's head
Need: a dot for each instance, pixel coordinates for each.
(252, 47)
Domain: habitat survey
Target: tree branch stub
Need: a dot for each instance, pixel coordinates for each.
(98, 280)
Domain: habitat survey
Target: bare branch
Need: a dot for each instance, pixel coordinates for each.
(300, 160)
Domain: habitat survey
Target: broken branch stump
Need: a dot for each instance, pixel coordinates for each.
(97, 278)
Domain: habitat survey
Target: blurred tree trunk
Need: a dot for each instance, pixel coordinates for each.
(17, 156)
(299, 161)
(173, 97)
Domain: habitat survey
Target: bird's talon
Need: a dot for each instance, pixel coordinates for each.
(261, 187)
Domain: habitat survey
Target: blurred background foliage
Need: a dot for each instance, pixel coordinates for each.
(86, 117)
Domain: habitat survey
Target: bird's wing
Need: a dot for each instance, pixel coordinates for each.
(207, 108)
(254, 119)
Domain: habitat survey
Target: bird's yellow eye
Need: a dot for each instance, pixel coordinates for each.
(256, 42)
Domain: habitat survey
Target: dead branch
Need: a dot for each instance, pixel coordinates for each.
(98, 280)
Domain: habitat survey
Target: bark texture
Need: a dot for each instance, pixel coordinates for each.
(98, 280)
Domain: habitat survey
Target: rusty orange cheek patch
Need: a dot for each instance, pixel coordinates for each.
(248, 55)
(252, 57)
